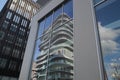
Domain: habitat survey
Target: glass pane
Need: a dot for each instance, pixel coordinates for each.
(57, 13)
(60, 62)
(5, 25)
(68, 10)
(48, 21)
(108, 18)
(41, 28)
(37, 50)
(53, 54)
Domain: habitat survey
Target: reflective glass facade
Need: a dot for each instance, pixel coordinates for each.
(53, 54)
(108, 19)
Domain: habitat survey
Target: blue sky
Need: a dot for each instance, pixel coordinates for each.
(2, 3)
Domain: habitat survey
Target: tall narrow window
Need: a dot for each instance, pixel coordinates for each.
(9, 15)
(108, 19)
(5, 24)
(53, 54)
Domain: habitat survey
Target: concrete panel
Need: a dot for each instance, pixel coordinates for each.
(87, 64)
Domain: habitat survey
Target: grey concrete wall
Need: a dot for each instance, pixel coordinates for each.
(87, 63)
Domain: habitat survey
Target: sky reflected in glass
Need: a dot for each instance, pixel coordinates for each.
(108, 17)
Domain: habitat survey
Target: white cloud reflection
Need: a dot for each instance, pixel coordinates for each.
(108, 37)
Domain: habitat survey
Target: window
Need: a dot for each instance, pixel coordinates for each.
(19, 40)
(13, 28)
(22, 55)
(27, 15)
(68, 9)
(41, 28)
(6, 50)
(21, 31)
(3, 63)
(10, 38)
(9, 15)
(19, 10)
(29, 8)
(13, 65)
(5, 24)
(34, 11)
(24, 23)
(22, 3)
(57, 13)
(108, 22)
(16, 19)
(16, 53)
(48, 21)
(1, 35)
(12, 7)
(54, 41)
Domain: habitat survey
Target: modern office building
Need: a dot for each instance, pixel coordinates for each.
(15, 17)
(94, 42)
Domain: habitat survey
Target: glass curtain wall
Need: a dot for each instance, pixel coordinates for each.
(53, 54)
(108, 21)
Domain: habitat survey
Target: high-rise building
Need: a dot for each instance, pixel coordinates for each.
(15, 17)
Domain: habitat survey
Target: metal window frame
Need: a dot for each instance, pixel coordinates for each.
(87, 54)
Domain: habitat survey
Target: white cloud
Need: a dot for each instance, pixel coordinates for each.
(107, 39)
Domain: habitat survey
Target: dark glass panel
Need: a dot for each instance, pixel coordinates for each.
(68, 9)
(54, 40)
(48, 21)
(41, 28)
(57, 13)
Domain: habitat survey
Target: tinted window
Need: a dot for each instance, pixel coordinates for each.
(68, 10)
(108, 18)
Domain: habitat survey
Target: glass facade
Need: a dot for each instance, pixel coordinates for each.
(108, 19)
(53, 54)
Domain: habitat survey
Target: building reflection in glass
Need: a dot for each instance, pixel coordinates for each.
(53, 59)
